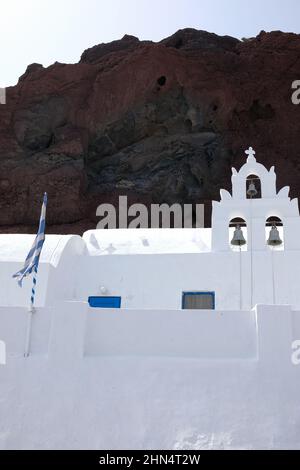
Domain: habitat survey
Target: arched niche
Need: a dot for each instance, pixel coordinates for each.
(253, 182)
(275, 221)
(254, 169)
(237, 222)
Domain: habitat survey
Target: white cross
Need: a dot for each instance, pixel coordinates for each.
(250, 152)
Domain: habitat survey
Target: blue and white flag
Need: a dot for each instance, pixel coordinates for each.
(32, 260)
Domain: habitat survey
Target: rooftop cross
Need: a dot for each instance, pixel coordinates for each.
(250, 152)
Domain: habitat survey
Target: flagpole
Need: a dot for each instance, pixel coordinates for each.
(31, 311)
(31, 265)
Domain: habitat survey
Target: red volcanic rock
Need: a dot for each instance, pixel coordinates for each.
(95, 54)
(160, 122)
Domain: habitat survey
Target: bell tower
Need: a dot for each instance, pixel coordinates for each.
(254, 200)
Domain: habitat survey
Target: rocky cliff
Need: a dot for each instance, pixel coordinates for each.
(160, 122)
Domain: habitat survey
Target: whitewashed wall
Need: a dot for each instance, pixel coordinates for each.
(157, 281)
(92, 383)
(56, 273)
(65, 270)
(76, 329)
(69, 270)
(170, 333)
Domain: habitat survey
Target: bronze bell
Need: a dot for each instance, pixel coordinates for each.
(252, 191)
(238, 237)
(274, 238)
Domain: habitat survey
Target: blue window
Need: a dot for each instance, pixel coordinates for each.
(105, 302)
(198, 300)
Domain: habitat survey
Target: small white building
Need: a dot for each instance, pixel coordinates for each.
(142, 372)
(159, 268)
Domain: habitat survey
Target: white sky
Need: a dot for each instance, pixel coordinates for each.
(46, 31)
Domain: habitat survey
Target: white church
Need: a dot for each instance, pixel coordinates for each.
(175, 268)
(160, 338)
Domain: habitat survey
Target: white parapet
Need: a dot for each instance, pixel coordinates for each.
(114, 379)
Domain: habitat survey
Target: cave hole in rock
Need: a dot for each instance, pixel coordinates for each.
(161, 80)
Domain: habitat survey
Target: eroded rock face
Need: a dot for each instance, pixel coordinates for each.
(160, 122)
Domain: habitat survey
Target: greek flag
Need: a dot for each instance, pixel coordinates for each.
(32, 260)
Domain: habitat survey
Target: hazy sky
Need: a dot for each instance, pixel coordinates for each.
(46, 31)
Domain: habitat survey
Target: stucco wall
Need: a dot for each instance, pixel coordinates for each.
(157, 281)
(56, 273)
(171, 333)
(91, 382)
(69, 270)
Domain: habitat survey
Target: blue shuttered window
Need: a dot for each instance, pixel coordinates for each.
(198, 300)
(104, 302)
